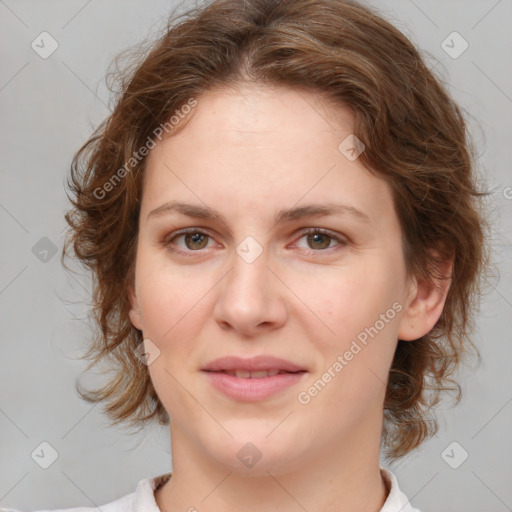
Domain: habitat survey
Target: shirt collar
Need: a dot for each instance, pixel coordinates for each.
(396, 501)
(144, 499)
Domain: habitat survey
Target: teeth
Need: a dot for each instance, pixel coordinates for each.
(245, 374)
(259, 375)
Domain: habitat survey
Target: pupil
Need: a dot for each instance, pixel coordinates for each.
(195, 238)
(317, 238)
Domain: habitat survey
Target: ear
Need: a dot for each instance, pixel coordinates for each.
(426, 301)
(134, 314)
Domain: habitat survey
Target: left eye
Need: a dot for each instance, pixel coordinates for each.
(320, 240)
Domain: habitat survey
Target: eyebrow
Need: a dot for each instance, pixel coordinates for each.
(295, 213)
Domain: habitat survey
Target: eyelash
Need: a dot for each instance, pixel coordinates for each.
(167, 242)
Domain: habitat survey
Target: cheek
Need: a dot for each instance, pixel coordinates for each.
(361, 306)
(169, 300)
(172, 314)
(350, 299)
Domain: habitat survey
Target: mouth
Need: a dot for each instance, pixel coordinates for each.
(252, 365)
(254, 379)
(258, 374)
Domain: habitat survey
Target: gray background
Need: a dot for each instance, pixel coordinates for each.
(49, 108)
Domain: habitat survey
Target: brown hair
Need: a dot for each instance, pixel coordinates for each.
(415, 138)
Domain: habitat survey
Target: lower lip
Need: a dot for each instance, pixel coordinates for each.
(252, 390)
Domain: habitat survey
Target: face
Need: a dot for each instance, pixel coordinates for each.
(259, 238)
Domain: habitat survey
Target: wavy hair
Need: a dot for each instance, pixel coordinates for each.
(415, 138)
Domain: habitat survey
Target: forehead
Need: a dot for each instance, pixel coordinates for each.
(254, 109)
(262, 147)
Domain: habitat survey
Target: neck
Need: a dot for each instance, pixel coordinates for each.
(337, 479)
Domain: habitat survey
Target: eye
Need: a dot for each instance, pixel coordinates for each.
(193, 240)
(320, 239)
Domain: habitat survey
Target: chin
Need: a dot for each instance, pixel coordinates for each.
(253, 452)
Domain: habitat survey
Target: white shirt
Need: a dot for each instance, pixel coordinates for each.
(143, 499)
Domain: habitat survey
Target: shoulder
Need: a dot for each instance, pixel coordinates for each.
(142, 500)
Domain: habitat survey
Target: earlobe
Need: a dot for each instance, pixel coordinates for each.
(425, 304)
(134, 313)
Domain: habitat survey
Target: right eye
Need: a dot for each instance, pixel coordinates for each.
(193, 240)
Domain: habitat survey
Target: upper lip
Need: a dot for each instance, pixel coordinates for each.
(251, 364)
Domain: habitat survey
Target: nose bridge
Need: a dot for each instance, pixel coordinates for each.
(248, 278)
(249, 295)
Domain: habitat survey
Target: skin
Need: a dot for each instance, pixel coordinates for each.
(248, 153)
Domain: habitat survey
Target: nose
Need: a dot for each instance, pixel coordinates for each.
(251, 298)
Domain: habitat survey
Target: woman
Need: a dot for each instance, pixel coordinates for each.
(281, 218)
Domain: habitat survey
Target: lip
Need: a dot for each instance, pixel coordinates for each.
(251, 364)
(252, 389)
